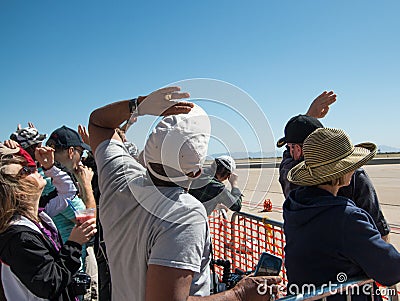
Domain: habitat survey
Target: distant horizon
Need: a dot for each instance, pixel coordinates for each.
(279, 152)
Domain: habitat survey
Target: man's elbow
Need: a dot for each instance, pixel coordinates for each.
(93, 118)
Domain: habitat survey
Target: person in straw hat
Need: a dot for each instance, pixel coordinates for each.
(361, 190)
(326, 234)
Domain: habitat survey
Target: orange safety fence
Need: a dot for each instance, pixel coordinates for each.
(243, 239)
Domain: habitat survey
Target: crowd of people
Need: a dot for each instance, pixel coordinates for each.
(149, 238)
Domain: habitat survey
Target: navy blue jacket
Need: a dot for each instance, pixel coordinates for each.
(328, 235)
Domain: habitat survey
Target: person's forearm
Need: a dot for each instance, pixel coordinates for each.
(61, 180)
(88, 197)
(111, 116)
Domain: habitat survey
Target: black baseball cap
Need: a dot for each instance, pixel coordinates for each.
(65, 137)
(298, 129)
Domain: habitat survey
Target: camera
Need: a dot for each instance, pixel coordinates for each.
(229, 279)
(268, 265)
(80, 283)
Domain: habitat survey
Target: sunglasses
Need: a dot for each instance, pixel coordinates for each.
(79, 151)
(26, 171)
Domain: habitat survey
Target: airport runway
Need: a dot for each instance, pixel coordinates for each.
(262, 183)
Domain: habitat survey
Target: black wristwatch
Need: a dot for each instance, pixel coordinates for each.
(133, 107)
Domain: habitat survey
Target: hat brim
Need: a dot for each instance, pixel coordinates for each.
(281, 142)
(304, 176)
(86, 146)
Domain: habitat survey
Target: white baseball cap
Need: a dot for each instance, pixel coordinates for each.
(180, 142)
(227, 162)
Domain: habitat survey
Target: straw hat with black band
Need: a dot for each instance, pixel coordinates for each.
(328, 155)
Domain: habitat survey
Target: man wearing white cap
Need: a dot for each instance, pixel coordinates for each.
(156, 233)
(210, 189)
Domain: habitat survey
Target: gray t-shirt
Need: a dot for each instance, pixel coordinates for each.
(144, 224)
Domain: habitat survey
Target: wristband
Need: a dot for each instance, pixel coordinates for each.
(45, 169)
(133, 107)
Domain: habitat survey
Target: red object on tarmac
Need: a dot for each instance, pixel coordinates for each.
(267, 205)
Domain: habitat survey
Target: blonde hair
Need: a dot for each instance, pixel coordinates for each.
(16, 194)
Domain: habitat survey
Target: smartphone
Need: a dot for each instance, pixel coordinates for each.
(268, 265)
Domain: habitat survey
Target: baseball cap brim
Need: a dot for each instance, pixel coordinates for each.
(281, 142)
(86, 146)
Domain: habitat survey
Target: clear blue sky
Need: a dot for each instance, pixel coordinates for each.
(61, 59)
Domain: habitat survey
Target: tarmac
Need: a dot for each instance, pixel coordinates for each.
(262, 183)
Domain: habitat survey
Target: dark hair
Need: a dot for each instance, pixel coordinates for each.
(221, 170)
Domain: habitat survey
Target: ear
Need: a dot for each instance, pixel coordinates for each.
(225, 178)
(297, 152)
(194, 175)
(298, 149)
(71, 152)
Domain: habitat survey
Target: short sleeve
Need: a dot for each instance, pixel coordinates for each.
(180, 245)
(115, 166)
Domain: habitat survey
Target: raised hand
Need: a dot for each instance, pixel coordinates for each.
(11, 144)
(84, 134)
(320, 106)
(30, 124)
(233, 179)
(163, 102)
(45, 156)
(84, 175)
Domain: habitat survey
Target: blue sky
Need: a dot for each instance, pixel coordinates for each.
(59, 60)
